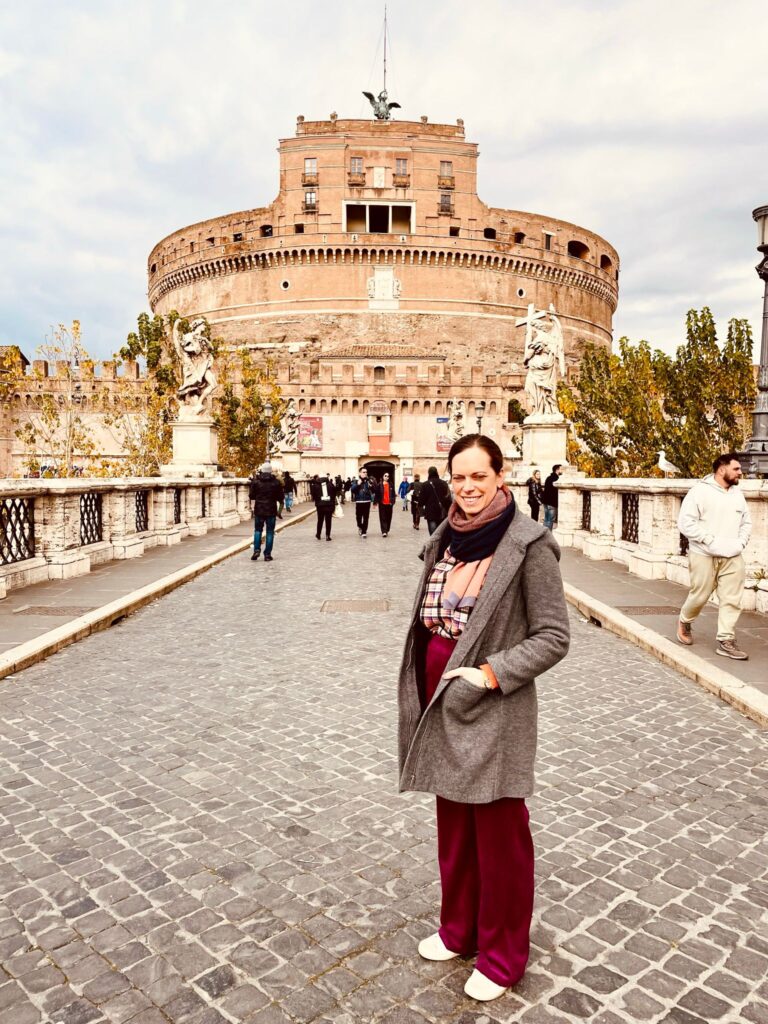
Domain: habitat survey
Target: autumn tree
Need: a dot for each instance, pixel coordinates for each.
(54, 433)
(245, 389)
(709, 393)
(629, 405)
(140, 412)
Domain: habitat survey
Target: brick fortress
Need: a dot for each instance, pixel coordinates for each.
(381, 287)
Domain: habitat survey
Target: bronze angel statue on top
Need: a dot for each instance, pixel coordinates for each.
(381, 106)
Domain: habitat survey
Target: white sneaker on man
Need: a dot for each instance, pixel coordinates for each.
(483, 989)
(432, 948)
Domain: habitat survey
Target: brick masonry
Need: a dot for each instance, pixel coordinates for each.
(199, 823)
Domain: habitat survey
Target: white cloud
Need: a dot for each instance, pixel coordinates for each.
(644, 121)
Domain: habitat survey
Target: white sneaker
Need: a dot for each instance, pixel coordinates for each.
(432, 948)
(481, 988)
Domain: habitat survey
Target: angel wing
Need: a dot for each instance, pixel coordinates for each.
(370, 97)
(391, 105)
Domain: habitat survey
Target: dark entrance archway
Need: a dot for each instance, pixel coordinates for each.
(378, 467)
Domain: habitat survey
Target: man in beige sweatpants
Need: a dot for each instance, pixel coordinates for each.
(715, 518)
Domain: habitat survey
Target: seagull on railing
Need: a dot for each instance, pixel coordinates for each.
(666, 466)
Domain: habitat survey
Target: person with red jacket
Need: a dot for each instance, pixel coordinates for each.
(386, 496)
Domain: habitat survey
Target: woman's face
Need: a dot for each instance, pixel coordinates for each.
(537, 477)
(474, 481)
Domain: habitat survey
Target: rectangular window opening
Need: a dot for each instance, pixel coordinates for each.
(401, 166)
(454, 231)
(401, 220)
(299, 229)
(378, 219)
(356, 165)
(356, 218)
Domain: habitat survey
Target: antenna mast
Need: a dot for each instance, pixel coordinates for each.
(385, 46)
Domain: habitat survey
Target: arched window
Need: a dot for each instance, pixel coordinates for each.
(323, 405)
(378, 375)
(427, 406)
(355, 405)
(438, 408)
(492, 409)
(344, 405)
(578, 249)
(334, 405)
(302, 405)
(366, 406)
(404, 405)
(605, 262)
(489, 233)
(415, 407)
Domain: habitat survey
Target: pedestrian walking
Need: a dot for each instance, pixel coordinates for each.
(435, 499)
(338, 483)
(403, 491)
(323, 493)
(385, 499)
(490, 617)
(265, 491)
(415, 506)
(550, 496)
(535, 494)
(289, 489)
(715, 518)
(362, 494)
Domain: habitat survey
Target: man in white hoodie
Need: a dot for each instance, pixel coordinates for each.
(715, 518)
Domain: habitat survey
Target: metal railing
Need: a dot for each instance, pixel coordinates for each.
(142, 511)
(17, 530)
(91, 523)
(586, 510)
(630, 517)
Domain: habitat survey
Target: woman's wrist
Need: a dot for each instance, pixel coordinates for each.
(491, 682)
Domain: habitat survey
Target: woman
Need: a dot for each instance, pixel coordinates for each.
(535, 494)
(489, 617)
(385, 499)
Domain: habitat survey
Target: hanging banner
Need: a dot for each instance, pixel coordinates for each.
(443, 440)
(310, 433)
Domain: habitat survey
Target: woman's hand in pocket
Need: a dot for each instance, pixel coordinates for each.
(475, 676)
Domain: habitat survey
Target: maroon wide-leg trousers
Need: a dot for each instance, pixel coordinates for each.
(485, 854)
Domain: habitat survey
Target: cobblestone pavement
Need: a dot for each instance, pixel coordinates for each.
(200, 822)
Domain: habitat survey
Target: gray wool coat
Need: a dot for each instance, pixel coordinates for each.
(474, 745)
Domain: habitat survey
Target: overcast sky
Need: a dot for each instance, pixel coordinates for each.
(643, 120)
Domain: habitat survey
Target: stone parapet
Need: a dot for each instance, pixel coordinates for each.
(57, 529)
(634, 522)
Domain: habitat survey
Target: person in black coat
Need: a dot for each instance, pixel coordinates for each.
(435, 499)
(323, 492)
(415, 490)
(550, 496)
(266, 493)
(289, 487)
(535, 494)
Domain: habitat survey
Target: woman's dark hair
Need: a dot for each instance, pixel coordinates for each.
(488, 445)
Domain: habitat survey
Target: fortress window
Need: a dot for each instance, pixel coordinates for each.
(299, 229)
(401, 166)
(578, 249)
(605, 262)
(285, 285)
(548, 240)
(356, 218)
(211, 241)
(446, 202)
(378, 374)
(266, 230)
(310, 165)
(519, 237)
(454, 231)
(489, 232)
(238, 236)
(401, 220)
(356, 165)
(153, 268)
(310, 201)
(446, 168)
(378, 219)
(191, 246)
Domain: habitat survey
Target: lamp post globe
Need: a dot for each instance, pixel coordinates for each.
(479, 413)
(755, 455)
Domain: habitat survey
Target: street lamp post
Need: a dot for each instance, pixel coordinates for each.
(268, 417)
(755, 455)
(479, 413)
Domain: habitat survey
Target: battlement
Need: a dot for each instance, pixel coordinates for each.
(384, 129)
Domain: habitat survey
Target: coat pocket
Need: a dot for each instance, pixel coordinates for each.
(465, 702)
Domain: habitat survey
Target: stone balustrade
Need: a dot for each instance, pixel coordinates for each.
(56, 529)
(634, 522)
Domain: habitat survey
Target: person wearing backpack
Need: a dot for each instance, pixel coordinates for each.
(435, 499)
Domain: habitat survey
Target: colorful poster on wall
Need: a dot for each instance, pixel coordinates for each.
(310, 433)
(443, 440)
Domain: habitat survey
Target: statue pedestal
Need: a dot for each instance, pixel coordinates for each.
(544, 443)
(195, 449)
